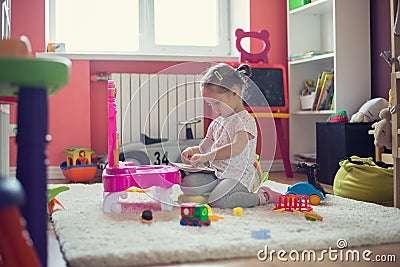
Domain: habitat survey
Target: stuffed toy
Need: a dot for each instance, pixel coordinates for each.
(340, 116)
(369, 112)
(383, 129)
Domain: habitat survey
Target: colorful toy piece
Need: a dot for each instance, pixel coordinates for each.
(120, 176)
(304, 188)
(212, 216)
(310, 216)
(293, 203)
(147, 216)
(238, 211)
(79, 167)
(261, 234)
(194, 214)
(51, 198)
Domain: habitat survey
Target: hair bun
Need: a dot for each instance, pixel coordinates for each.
(244, 69)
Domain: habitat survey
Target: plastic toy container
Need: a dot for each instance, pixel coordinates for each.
(306, 101)
(293, 4)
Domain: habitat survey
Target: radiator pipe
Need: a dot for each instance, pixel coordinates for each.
(100, 77)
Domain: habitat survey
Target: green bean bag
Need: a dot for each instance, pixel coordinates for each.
(362, 179)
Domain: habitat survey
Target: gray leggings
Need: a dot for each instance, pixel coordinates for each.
(224, 193)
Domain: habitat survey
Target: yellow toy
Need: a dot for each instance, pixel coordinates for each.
(238, 211)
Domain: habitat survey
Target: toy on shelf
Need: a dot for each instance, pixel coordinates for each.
(79, 166)
(383, 129)
(292, 203)
(369, 111)
(194, 214)
(118, 177)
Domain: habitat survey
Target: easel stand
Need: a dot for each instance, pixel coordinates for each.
(262, 57)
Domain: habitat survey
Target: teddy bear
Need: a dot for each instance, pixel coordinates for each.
(383, 129)
(369, 112)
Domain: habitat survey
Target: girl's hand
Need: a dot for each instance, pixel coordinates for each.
(186, 155)
(200, 159)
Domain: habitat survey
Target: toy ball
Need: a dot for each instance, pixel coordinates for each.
(146, 216)
(237, 211)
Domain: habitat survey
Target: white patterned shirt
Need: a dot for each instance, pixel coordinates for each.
(222, 131)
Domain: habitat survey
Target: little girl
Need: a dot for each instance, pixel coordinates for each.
(229, 145)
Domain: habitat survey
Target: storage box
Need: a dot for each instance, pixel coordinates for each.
(338, 140)
(293, 4)
(306, 101)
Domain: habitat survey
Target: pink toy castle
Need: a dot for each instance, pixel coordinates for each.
(119, 176)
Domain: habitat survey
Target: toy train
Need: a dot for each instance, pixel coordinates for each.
(194, 214)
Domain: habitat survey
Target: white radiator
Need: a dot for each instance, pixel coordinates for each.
(154, 104)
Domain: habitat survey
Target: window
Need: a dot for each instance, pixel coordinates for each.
(5, 18)
(140, 26)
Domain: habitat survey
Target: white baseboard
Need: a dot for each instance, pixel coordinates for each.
(273, 166)
(53, 172)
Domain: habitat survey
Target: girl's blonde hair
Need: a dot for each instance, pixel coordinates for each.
(226, 77)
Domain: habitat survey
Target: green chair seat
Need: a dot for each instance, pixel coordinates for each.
(49, 73)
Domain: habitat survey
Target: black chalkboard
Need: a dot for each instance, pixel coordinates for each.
(266, 88)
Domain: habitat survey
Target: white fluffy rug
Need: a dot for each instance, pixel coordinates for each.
(89, 237)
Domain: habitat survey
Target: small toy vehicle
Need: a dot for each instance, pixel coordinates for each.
(194, 214)
(304, 188)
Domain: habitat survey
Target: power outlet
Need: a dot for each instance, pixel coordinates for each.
(12, 130)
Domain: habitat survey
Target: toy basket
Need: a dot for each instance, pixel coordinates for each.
(306, 101)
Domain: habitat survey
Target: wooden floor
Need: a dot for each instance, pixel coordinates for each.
(389, 250)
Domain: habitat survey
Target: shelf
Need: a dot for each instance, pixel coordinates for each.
(315, 112)
(327, 25)
(320, 58)
(315, 8)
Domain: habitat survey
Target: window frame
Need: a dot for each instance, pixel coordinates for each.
(147, 44)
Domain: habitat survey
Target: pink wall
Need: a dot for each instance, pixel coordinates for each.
(70, 115)
(77, 114)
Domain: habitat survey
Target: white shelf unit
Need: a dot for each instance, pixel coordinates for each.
(343, 28)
